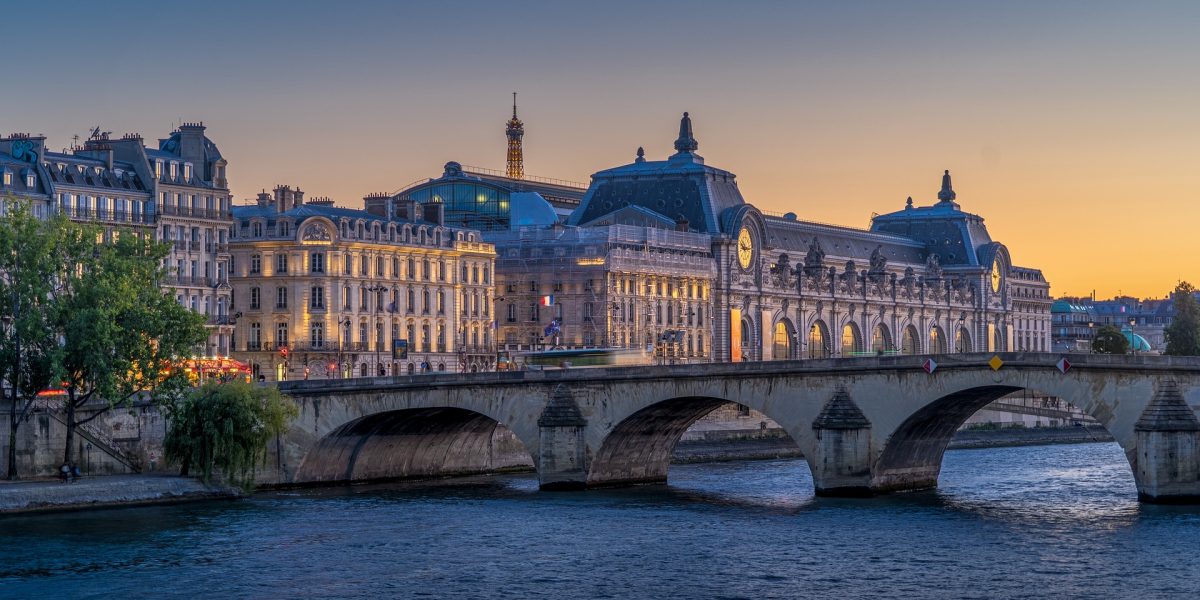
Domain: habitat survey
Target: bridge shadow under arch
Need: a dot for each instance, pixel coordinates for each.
(638, 450)
(413, 444)
(912, 456)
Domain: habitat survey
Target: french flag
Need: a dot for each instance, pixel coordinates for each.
(547, 300)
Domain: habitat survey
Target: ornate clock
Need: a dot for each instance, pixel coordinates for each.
(996, 276)
(745, 248)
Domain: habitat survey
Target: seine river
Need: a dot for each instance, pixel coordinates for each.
(1037, 522)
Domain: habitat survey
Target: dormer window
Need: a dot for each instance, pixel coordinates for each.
(187, 171)
(158, 169)
(256, 229)
(7, 177)
(174, 170)
(30, 179)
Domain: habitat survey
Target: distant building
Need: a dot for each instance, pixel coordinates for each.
(176, 192)
(328, 292)
(667, 255)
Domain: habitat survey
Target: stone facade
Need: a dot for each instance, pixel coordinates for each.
(176, 192)
(326, 292)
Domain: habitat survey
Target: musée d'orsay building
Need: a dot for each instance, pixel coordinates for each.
(667, 255)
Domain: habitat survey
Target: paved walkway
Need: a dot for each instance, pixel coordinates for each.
(103, 491)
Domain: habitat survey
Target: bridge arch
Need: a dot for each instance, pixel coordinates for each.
(912, 453)
(638, 448)
(406, 434)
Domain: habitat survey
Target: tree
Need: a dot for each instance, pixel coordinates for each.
(121, 336)
(1183, 334)
(225, 427)
(30, 249)
(1110, 340)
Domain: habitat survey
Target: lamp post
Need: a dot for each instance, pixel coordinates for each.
(1091, 332)
(376, 290)
(343, 327)
(1132, 336)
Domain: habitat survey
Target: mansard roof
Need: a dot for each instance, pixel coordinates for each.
(680, 187)
(959, 238)
(795, 237)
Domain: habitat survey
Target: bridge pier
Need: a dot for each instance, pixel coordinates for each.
(1168, 449)
(561, 453)
(842, 465)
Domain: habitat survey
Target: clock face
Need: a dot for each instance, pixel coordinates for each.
(996, 276)
(745, 248)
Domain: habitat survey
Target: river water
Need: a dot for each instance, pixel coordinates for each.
(1037, 522)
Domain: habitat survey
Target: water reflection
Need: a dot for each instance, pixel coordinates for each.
(1060, 520)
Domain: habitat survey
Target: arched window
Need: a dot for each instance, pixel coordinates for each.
(881, 341)
(818, 341)
(851, 340)
(962, 340)
(910, 343)
(781, 346)
(937, 340)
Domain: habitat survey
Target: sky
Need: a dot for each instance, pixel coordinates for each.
(1071, 127)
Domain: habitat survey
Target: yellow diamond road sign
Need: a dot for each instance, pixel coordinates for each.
(995, 363)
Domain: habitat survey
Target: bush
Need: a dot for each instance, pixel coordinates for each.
(225, 428)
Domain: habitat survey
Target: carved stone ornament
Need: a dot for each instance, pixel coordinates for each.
(933, 268)
(316, 233)
(815, 259)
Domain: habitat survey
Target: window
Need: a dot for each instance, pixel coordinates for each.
(425, 269)
(281, 334)
(346, 298)
(256, 230)
(395, 268)
(362, 264)
(486, 277)
(362, 298)
(412, 269)
(281, 297)
(317, 262)
(281, 264)
(254, 298)
(512, 313)
(441, 302)
(348, 267)
(255, 337)
(412, 303)
(187, 171)
(441, 270)
(316, 334)
(317, 299)
(379, 266)
(255, 264)
(425, 302)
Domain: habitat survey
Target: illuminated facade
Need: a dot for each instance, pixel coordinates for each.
(514, 131)
(327, 292)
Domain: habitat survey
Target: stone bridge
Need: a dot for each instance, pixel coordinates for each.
(865, 425)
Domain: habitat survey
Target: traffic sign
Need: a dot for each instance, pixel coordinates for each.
(1063, 364)
(995, 363)
(930, 365)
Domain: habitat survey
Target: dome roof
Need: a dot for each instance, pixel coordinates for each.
(1137, 343)
(530, 209)
(1063, 306)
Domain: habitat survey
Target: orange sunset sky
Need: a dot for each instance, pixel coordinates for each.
(1071, 127)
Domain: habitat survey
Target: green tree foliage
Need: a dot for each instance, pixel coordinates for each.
(30, 356)
(1110, 340)
(122, 336)
(225, 428)
(1183, 334)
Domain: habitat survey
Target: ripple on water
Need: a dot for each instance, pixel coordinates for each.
(1029, 522)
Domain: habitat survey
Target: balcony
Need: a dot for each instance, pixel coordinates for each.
(196, 212)
(221, 320)
(106, 215)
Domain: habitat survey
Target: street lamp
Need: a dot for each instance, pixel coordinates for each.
(376, 290)
(343, 328)
(1132, 336)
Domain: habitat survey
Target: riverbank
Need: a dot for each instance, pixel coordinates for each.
(105, 492)
(709, 447)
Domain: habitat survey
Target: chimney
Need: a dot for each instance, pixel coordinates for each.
(191, 147)
(298, 201)
(681, 224)
(282, 197)
(377, 204)
(24, 147)
(264, 199)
